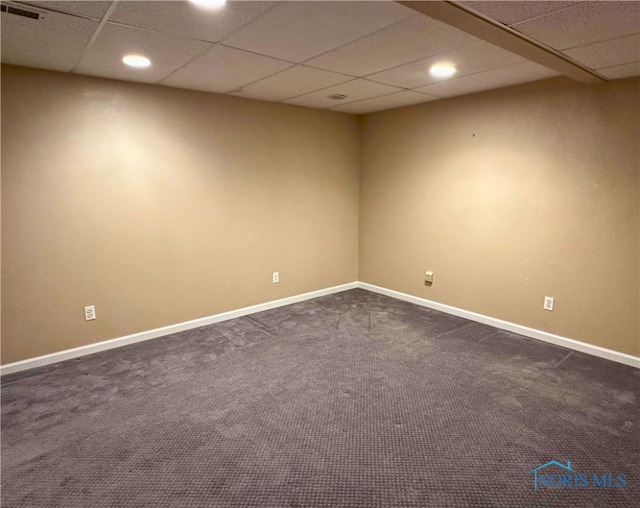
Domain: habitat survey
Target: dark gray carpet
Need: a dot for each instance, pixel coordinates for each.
(350, 400)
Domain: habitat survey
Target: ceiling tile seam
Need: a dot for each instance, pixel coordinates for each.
(335, 108)
(247, 23)
(256, 53)
(405, 89)
(505, 37)
(180, 67)
(214, 45)
(406, 63)
(327, 70)
(158, 32)
(162, 32)
(448, 80)
(534, 18)
(353, 41)
(346, 101)
(629, 62)
(96, 33)
(400, 89)
(578, 64)
(208, 41)
(332, 49)
(561, 56)
(472, 74)
(240, 89)
(46, 9)
(436, 55)
(427, 95)
(320, 89)
(604, 40)
(619, 65)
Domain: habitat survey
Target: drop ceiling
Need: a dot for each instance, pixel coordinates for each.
(376, 53)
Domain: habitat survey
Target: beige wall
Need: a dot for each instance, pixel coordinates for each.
(159, 206)
(509, 196)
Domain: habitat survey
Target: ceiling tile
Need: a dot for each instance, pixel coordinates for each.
(355, 90)
(332, 42)
(471, 59)
(297, 31)
(584, 23)
(89, 9)
(496, 78)
(513, 12)
(187, 20)
(223, 69)
(54, 42)
(292, 82)
(394, 100)
(621, 71)
(411, 39)
(608, 53)
(167, 53)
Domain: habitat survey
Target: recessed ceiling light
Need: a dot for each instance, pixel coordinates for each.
(138, 61)
(442, 70)
(209, 4)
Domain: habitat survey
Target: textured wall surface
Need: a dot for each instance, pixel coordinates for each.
(160, 205)
(509, 196)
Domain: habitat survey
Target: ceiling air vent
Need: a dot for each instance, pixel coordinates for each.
(10, 9)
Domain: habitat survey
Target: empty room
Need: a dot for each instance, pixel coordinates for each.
(320, 253)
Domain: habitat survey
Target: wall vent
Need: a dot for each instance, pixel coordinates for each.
(10, 9)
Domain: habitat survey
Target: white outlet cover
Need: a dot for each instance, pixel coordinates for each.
(276, 277)
(89, 312)
(548, 303)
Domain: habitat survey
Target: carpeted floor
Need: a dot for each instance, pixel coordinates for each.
(349, 400)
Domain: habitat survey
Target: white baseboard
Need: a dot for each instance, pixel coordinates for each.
(558, 340)
(68, 354)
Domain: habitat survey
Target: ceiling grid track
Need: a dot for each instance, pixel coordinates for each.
(373, 55)
(95, 35)
(504, 37)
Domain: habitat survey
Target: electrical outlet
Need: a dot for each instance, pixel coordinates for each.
(428, 278)
(548, 303)
(89, 312)
(276, 277)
